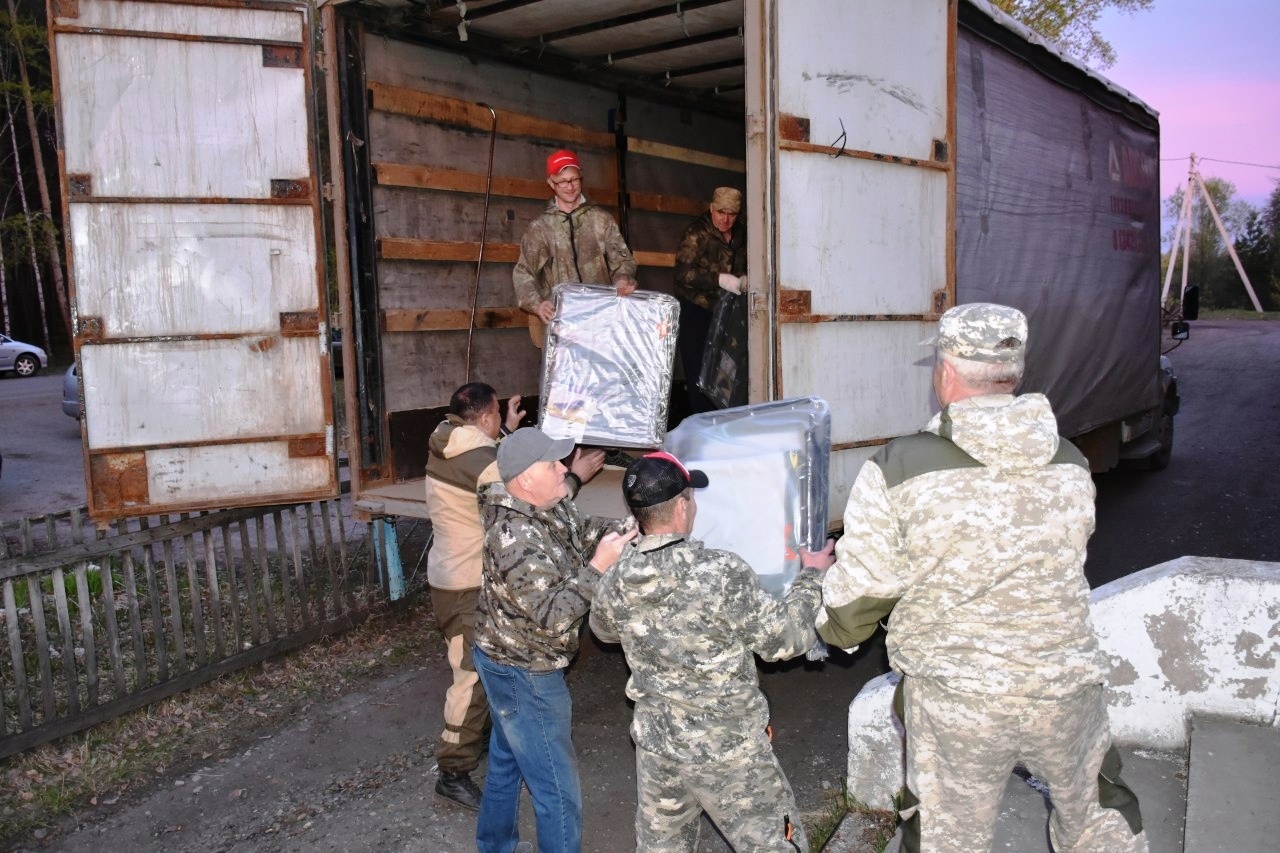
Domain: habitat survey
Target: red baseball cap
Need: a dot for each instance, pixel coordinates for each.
(560, 161)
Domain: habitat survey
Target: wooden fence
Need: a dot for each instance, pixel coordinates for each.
(100, 622)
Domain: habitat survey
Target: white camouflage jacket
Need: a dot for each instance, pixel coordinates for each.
(973, 534)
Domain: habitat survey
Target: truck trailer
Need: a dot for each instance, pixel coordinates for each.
(241, 180)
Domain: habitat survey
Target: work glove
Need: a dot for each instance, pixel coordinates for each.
(732, 283)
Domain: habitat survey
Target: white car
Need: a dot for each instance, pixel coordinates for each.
(22, 359)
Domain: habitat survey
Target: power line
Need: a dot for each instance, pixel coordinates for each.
(1238, 163)
(1216, 160)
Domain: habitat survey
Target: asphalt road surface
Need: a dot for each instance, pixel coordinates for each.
(43, 465)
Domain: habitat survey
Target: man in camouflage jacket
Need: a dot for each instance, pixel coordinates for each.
(691, 620)
(711, 260)
(973, 534)
(542, 560)
(572, 241)
(463, 456)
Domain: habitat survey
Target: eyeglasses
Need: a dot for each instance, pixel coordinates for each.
(566, 181)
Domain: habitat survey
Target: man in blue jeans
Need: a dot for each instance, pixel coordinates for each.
(542, 560)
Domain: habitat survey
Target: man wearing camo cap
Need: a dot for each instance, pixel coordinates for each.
(972, 535)
(689, 619)
(541, 564)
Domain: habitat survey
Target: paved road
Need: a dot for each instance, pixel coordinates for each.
(43, 464)
(1219, 497)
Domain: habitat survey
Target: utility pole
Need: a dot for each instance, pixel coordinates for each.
(1182, 234)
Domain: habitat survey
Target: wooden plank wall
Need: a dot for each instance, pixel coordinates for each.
(429, 146)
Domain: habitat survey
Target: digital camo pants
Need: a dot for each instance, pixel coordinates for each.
(749, 800)
(466, 711)
(961, 748)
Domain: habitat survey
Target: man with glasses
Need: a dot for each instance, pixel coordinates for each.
(573, 240)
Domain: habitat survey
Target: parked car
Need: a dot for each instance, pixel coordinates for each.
(22, 359)
(71, 393)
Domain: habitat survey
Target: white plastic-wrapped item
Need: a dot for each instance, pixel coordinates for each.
(606, 373)
(768, 469)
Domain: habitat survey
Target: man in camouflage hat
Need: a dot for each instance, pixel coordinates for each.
(972, 534)
(689, 619)
(542, 560)
(711, 261)
(573, 240)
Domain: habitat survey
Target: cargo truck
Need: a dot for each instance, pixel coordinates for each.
(241, 180)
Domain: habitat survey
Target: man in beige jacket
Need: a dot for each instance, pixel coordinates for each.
(462, 457)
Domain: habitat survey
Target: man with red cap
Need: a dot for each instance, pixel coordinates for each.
(691, 621)
(573, 240)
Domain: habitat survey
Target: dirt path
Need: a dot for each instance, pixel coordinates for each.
(357, 774)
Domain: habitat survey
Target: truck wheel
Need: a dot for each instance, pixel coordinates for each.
(26, 365)
(1159, 460)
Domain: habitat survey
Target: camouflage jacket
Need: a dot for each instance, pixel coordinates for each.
(703, 255)
(691, 620)
(583, 246)
(536, 585)
(973, 534)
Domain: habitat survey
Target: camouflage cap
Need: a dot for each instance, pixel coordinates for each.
(526, 446)
(983, 331)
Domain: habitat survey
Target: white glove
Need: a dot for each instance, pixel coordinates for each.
(732, 283)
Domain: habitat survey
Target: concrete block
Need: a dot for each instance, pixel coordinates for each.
(1190, 636)
(876, 756)
(1231, 801)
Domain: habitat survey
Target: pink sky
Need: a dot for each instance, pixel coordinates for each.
(1212, 71)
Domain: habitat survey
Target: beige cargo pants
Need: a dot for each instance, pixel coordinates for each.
(961, 748)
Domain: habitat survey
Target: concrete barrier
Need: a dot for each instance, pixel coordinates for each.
(1194, 635)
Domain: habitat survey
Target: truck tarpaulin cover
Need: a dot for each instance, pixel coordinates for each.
(768, 467)
(606, 376)
(1058, 214)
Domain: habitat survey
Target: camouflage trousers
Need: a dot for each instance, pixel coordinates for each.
(748, 799)
(466, 710)
(961, 748)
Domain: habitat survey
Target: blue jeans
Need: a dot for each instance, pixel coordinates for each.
(532, 717)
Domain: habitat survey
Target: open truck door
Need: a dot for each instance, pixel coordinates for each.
(193, 227)
(850, 100)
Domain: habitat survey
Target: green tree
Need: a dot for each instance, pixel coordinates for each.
(1073, 24)
(1270, 220)
(1256, 248)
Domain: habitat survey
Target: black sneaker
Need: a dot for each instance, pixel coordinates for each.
(458, 788)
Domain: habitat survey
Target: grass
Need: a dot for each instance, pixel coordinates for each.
(122, 757)
(872, 827)
(1234, 314)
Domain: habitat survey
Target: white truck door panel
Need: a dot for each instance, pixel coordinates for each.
(851, 149)
(193, 216)
(881, 257)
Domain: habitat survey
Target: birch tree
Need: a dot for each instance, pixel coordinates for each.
(21, 36)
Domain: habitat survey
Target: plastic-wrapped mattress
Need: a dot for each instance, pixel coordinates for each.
(606, 373)
(768, 467)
